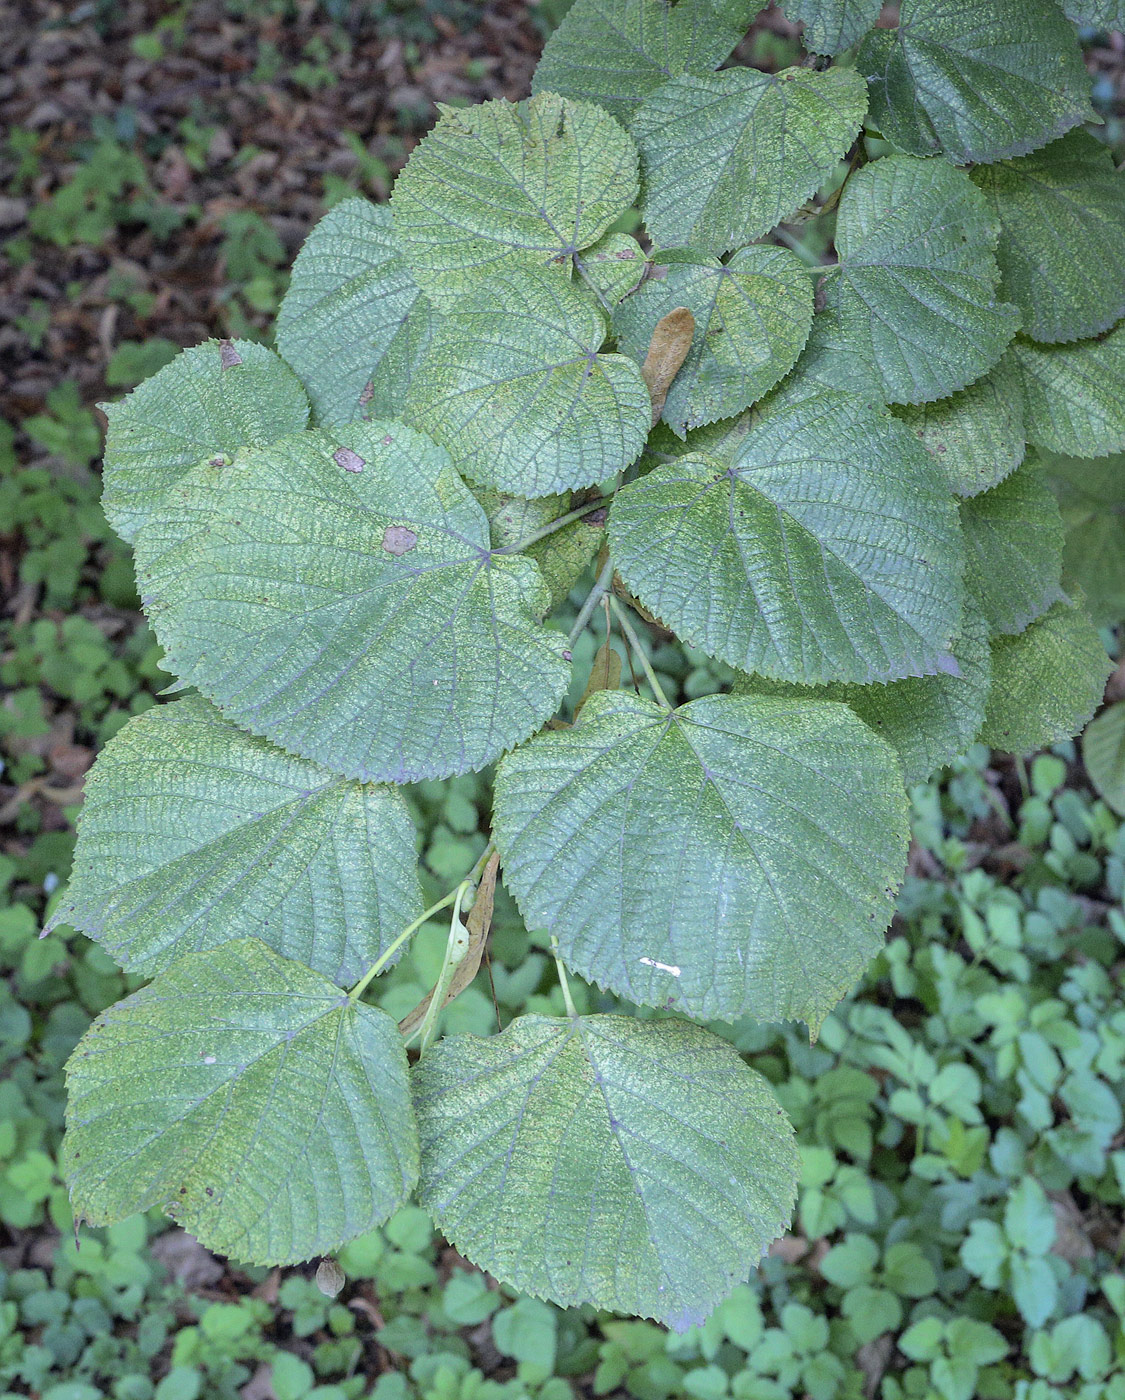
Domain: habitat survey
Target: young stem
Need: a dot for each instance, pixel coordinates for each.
(586, 612)
(564, 982)
(553, 525)
(635, 645)
(384, 958)
(455, 949)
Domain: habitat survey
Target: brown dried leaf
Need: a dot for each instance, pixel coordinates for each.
(667, 350)
(605, 675)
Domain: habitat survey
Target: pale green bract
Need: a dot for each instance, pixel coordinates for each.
(976, 434)
(352, 322)
(1074, 395)
(916, 291)
(977, 82)
(1061, 213)
(194, 833)
(1013, 549)
(688, 859)
(1092, 501)
(1046, 682)
(614, 52)
(726, 156)
(211, 400)
(832, 25)
(503, 185)
(515, 389)
(336, 593)
(637, 1165)
(752, 318)
(927, 720)
(247, 1097)
(826, 547)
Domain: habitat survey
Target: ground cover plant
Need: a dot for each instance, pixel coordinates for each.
(829, 478)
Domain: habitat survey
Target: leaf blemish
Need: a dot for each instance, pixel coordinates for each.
(349, 460)
(229, 357)
(398, 540)
(662, 967)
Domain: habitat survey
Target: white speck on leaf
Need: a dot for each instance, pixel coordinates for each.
(662, 967)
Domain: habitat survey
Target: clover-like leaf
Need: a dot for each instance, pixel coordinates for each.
(977, 83)
(832, 25)
(503, 184)
(977, 433)
(927, 720)
(194, 832)
(1046, 682)
(211, 400)
(249, 1099)
(824, 546)
(353, 323)
(515, 389)
(336, 593)
(752, 318)
(679, 1166)
(1061, 212)
(1013, 549)
(726, 156)
(1074, 395)
(614, 52)
(1092, 501)
(916, 290)
(737, 856)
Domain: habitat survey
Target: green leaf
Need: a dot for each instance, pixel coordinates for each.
(1092, 500)
(1062, 236)
(726, 156)
(832, 25)
(514, 388)
(1103, 752)
(211, 400)
(615, 52)
(1046, 682)
(1074, 395)
(245, 1096)
(752, 318)
(353, 323)
(502, 185)
(679, 1166)
(977, 83)
(613, 266)
(336, 593)
(915, 294)
(1099, 14)
(1013, 549)
(976, 434)
(561, 556)
(194, 832)
(827, 547)
(927, 720)
(737, 856)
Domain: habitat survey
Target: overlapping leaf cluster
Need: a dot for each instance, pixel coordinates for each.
(349, 552)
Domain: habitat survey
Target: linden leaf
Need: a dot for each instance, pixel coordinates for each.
(1074, 395)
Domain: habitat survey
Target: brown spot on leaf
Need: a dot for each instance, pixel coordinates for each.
(398, 540)
(349, 460)
(228, 355)
(367, 395)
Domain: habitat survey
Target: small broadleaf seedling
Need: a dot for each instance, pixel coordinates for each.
(847, 480)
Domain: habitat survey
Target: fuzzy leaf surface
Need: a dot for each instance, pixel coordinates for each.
(1092, 501)
(194, 833)
(337, 594)
(916, 290)
(504, 184)
(615, 52)
(561, 556)
(679, 1166)
(927, 720)
(977, 433)
(726, 156)
(825, 546)
(1074, 395)
(613, 266)
(1061, 212)
(353, 323)
(513, 386)
(977, 83)
(832, 25)
(210, 400)
(1013, 549)
(1046, 682)
(246, 1097)
(733, 857)
(752, 318)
